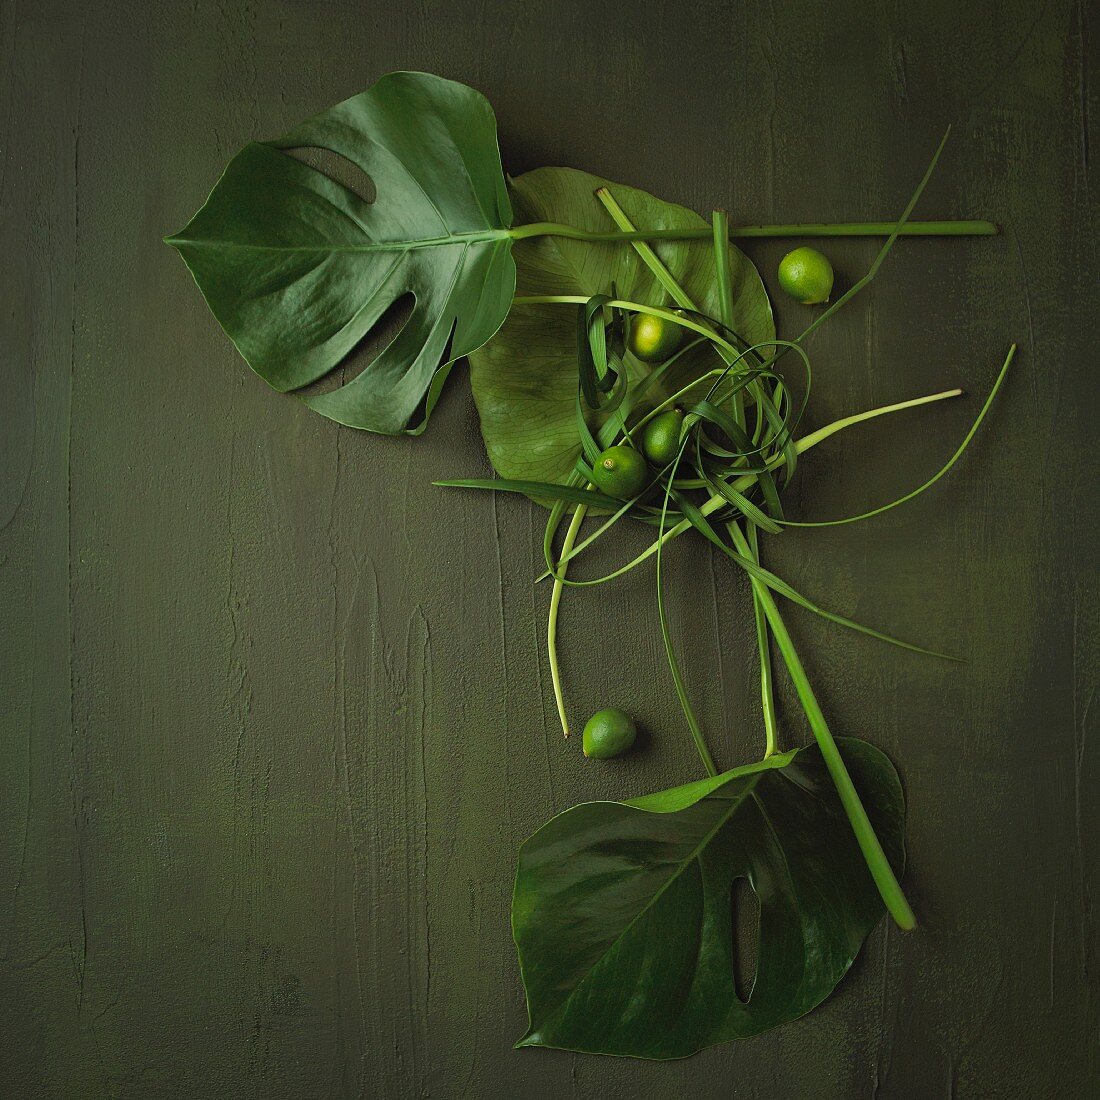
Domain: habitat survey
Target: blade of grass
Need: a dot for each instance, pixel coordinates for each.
(943, 470)
(668, 281)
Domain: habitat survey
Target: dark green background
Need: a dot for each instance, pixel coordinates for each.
(275, 712)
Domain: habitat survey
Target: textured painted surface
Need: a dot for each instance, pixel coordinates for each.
(275, 714)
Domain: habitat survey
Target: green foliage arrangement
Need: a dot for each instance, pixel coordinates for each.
(625, 365)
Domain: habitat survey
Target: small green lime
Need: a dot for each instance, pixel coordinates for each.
(661, 437)
(806, 276)
(608, 733)
(653, 339)
(620, 472)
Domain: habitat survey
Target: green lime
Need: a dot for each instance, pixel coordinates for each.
(661, 437)
(620, 472)
(653, 339)
(608, 733)
(806, 276)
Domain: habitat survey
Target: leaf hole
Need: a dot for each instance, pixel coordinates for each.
(745, 908)
(338, 169)
(366, 351)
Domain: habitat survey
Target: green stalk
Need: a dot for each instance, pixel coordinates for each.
(720, 225)
(802, 229)
(648, 256)
(677, 293)
(720, 228)
(767, 695)
(667, 280)
(888, 887)
(552, 618)
(896, 231)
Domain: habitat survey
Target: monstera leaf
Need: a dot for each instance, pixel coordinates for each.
(623, 918)
(525, 379)
(298, 268)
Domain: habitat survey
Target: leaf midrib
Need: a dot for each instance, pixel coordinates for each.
(464, 239)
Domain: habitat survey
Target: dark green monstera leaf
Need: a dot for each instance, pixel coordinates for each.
(623, 914)
(298, 268)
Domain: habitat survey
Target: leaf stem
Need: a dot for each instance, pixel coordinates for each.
(888, 887)
(800, 229)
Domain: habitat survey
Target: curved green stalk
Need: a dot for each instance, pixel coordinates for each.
(552, 618)
(896, 231)
(877, 863)
(731, 357)
(934, 478)
(777, 584)
(720, 229)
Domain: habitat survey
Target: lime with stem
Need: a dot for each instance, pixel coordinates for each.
(620, 472)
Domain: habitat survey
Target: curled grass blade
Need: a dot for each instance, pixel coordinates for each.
(943, 470)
